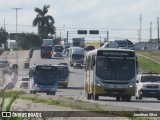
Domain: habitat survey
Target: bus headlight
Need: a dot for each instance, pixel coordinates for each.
(142, 85)
(36, 85)
(131, 86)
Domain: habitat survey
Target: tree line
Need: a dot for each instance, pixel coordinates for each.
(45, 26)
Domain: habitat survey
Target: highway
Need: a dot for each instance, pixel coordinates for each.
(76, 83)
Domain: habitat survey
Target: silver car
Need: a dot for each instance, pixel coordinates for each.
(24, 82)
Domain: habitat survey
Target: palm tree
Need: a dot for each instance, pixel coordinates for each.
(44, 22)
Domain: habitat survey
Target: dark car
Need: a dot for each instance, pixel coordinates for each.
(63, 64)
(89, 48)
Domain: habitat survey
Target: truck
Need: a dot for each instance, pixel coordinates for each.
(78, 42)
(66, 45)
(76, 54)
(58, 51)
(46, 51)
(11, 44)
(48, 42)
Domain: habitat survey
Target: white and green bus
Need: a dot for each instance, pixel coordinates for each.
(110, 72)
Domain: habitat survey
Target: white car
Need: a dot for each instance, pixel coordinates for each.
(148, 85)
(24, 82)
(78, 64)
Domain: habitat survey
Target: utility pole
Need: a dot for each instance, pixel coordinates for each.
(4, 24)
(158, 31)
(150, 30)
(16, 34)
(67, 36)
(140, 28)
(139, 35)
(107, 36)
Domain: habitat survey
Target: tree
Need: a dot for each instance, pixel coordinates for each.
(44, 22)
(3, 36)
(28, 40)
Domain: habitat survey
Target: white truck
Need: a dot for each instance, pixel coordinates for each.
(48, 42)
(76, 54)
(11, 44)
(148, 85)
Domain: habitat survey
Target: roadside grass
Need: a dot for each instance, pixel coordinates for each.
(147, 65)
(152, 54)
(13, 96)
(5, 94)
(80, 105)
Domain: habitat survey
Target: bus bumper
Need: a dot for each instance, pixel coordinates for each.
(114, 91)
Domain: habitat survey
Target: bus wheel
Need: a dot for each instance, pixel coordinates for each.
(34, 92)
(158, 98)
(117, 98)
(48, 93)
(89, 96)
(31, 92)
(95, 97)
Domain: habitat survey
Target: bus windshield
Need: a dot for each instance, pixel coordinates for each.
(77, 56)
(115, 68)
(150, 79)
(62, 73)
(45, 76)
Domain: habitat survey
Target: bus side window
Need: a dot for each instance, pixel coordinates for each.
(92, 62)
(136, 65)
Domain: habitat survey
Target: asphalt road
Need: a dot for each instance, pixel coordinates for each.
(76, 83)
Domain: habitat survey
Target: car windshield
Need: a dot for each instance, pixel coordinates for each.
(115, 68)
(46, 76)
(58, 49)
(150, 79)
(77, 57)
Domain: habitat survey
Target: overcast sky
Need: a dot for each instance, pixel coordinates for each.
(119, 17)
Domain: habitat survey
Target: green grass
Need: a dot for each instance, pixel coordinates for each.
(80, 105)
(147, 65)
(152, 54)
(11, 93)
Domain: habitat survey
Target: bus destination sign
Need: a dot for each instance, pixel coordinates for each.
(116, 53)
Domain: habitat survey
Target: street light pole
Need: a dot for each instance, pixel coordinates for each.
(16, 34)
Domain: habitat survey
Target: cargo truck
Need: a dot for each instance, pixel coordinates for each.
(78, 42)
